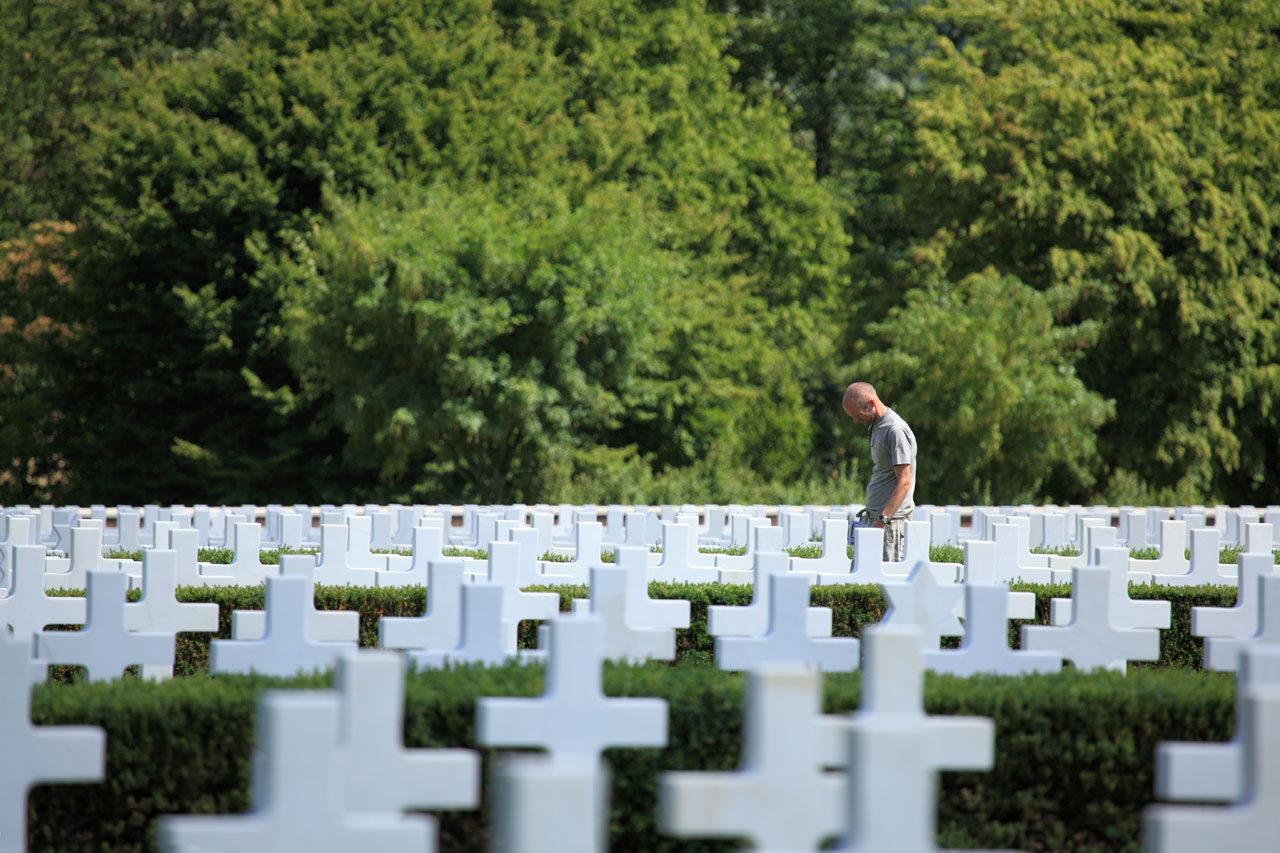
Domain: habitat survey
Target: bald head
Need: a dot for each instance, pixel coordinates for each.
(861, 403)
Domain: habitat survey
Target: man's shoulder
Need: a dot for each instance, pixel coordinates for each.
(892, 420)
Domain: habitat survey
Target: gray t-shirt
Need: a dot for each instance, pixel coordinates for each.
(892, 443)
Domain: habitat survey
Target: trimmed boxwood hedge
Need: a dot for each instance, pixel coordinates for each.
(1073, 770)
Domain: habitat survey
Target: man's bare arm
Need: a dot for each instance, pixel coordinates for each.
(899, 491)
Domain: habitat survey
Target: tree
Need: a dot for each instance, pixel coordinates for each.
(216, 168)
(34, 279)
(987, 383)
(466, 345)
(1120, 158)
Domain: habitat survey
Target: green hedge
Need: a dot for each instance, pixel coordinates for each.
(1073, 771)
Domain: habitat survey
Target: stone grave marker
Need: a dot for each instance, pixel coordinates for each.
(896, 751)
(1225, 653)
(285, 648)
(297, 792)
(752, 620)
(158, 609)
(834, 559)
(623, 641)
(247, 566)
(1258, 539)
(551, 805)
(321, 626)
(1245, 773)
(985, 647)
(440, 626)
(334, 567)
(484, 637)
(359, 545)
(427, 545)
(786, 639)
(1090, 640)
(26, 610)
(35, 755)
(1173, 559)
(572, 718)
(379, 774)
(1241, 620)
(781, 797)
(924, 603)
(1125, 611)
(1014, 560)
(104, 646)
(682, 562)
(517, 605)
(980, 567)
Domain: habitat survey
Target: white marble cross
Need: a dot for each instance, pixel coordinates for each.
(643, 611)
(1225, 653)
(1241, 620)
(1091, 640)
(517, 605)
(159, 609)
(545, 804)
(359, 545)
(586, 554)
(1173, 560)
(440, 626)
(285, 649)
(752, 620)
(834, 559)
(247, 566)
(624, 640)
(484, 637)
(104, 647)
(427, 543)
(84, 553)
(682, 562)
(781, 798)
(322, 626)
(27, 609)
(868, 565)
(379, 773)
(786, 638)
(980, 567)
(335, 567)
(1126, 612)
(297, 792)
(35, 755)
(896, 751)
(985, 647)
(1014, 560)
(572, 717)
(1244, 772)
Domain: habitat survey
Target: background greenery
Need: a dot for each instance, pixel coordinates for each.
(633, 251)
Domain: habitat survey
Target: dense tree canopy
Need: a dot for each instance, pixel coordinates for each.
(1121, 157)
(542, 249)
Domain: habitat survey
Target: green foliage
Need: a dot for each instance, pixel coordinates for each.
(481, 336)
(185, 746)
(1119, 158)
(557, 224)
(583, 251)
(986, 381)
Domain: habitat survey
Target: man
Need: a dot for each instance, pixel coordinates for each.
(891, 491)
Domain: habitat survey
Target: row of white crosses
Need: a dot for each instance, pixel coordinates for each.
(473, 615)
(919, 599)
